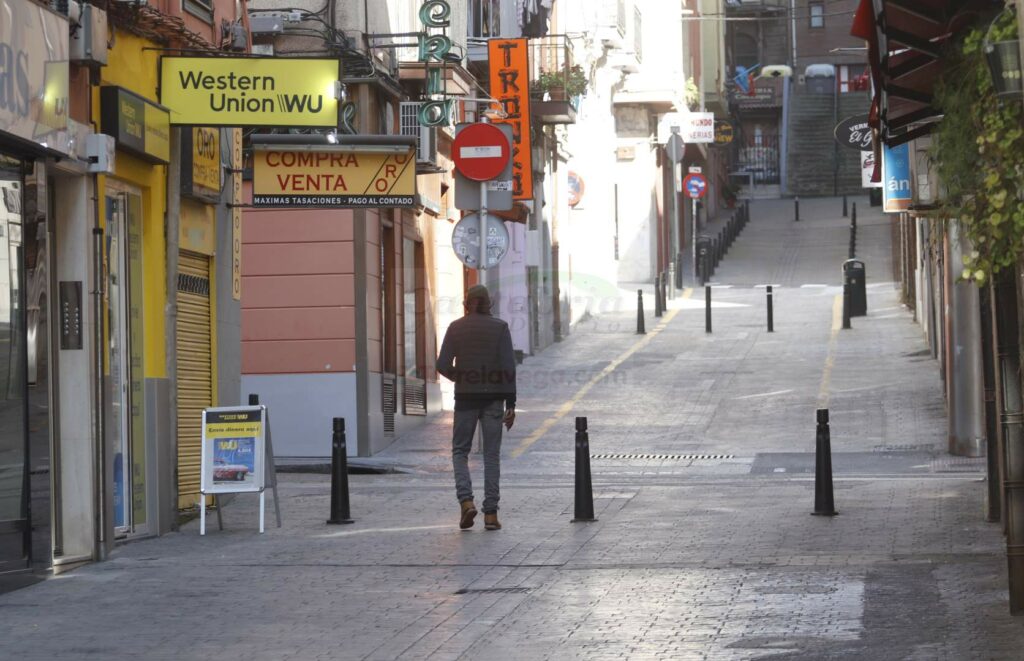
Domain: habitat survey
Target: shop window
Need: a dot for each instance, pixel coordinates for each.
(817, 14)
(413, 327)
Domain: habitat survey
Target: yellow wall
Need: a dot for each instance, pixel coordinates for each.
(135, 69)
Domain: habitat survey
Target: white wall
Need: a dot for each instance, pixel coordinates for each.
(76, 418)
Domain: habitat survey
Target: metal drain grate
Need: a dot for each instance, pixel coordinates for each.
(492, 590)
(663, 457)
(920, 447)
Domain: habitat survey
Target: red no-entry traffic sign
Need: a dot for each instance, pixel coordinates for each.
(481, 152)
(695, 185)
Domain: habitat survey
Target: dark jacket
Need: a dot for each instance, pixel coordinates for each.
(477, 355)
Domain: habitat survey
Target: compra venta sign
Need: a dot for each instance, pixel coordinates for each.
(333, 178)
(217, 91)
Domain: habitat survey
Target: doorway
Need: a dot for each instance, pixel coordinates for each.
(125, 401)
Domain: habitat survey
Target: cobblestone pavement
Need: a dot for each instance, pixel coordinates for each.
(703, 484)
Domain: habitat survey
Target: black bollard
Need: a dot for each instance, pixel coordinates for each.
(844, 207)
(664, 291)
(746, 211)
(584, 509)
(796, 209)
(339, 475)
(707, 309)
(824, 503)
(846, 306)
(853, 217)
(658, 303)
(640, 330)
(771, 319)
(254, 399)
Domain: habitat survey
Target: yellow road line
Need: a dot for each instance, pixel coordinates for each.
(567, 407)
(830, 361)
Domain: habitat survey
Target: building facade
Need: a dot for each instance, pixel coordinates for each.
(120, 320)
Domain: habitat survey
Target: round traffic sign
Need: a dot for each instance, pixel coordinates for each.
(480, 151)
(576, 188)
(695, 185)
(466, 241)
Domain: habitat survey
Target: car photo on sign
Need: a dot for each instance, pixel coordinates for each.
(234, 461)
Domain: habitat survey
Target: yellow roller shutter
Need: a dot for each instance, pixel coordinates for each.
(195, 381)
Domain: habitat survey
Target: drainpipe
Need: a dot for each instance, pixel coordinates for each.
(1011, 415)
(103, 536)
(963, 347)
(990, 363)
(172, 224)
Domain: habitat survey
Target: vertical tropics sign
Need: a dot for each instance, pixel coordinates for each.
(510, 85)
(250, 91)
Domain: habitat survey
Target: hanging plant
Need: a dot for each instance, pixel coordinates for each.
(978, 153)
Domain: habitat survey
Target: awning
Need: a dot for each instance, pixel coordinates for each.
(905, 42)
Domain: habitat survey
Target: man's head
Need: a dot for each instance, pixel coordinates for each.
(478, 299)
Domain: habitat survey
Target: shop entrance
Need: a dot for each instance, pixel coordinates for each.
(195, 369)
(26, 371)
(125, 400)
(15, 531)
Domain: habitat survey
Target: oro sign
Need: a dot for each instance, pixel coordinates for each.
(332, 178)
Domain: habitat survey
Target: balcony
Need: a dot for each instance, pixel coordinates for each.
(748, 7)
(556, 81)
(611, 25)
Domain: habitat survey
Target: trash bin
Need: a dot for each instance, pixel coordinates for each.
(855, 275)
(704, 258)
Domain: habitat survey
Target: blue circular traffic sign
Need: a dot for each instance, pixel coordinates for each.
(695, 185)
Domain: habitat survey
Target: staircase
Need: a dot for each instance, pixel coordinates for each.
(812, 122)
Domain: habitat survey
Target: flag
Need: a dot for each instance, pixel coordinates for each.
(744, 78)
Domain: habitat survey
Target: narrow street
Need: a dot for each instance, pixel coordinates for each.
(703, 468)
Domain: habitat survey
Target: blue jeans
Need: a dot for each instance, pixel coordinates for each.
(462, 442)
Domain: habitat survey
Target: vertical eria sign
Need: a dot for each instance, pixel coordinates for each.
(433, 48)
(896, 193)
(510, 85)
(236, 215)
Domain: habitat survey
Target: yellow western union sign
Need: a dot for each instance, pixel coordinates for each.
(250, 91)
(333, 178)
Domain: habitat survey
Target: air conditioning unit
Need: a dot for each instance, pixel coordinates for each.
(426, 136)
(88, 43)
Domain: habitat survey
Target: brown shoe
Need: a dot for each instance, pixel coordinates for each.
(468, 514)
(491, 521)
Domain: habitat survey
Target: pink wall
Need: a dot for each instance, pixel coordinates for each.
(298, 296)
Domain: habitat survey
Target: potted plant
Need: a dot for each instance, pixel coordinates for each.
(562, 84)
(730, 192)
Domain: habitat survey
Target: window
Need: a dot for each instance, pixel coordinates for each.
(638, 34)
(817, 14)
(199, 8)
(412, 307)
(620, 17)
(484, 18)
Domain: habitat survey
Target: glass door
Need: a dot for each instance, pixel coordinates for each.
(117, 395)
(15, 531)
(125, 399)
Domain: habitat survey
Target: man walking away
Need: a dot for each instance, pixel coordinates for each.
(477, 355)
